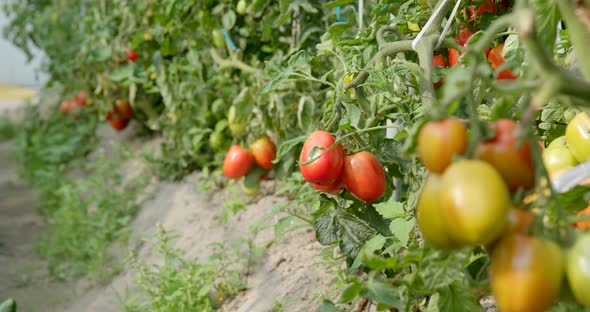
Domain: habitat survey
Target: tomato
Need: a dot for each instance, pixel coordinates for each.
(119, 124)
(80, 98)
(131, 55)
(66, 107)
(335, 188)
(237, 163)
(582, 225)
(474, 201)
(526, 273)
(577, 135)
(218, 38)
(327, 168)
(518, 220)
(124, 109)
(363, 176)
(429, 215)
(578, 269)
(496, 59)
(557, 142)
(514, 164)
(264, 151)
(557, 159)
(438, 60)
(237, 126)
(464, 36)
(241, 7)
(439, 141)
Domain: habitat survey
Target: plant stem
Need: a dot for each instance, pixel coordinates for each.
(233, 62)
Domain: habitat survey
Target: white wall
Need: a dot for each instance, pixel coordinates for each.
(13, 62)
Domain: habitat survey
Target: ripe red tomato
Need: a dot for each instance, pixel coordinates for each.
(515, 165)
(496, 59)
(439, 141)
(577, 135)
(264, 151)
(474, 201)
(326, 167)
(363, 176)
(66, 107)
(429, 215)
(237, 163)
(438, 60)
(464, 36)
(123, 108)
(335, 188)
(80, 98)
(578, 269)
(131, 55)
(119, 124)
(526, 273)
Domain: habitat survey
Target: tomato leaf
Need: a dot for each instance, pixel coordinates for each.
(547, 18)
(401, 229)
(350, 293)
(326, 227)
(390, 210)
(287, 146)
(353, 232)
(456, 297)
(328, 306)
(384, 293)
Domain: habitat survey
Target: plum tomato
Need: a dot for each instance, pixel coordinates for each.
(439, 141)
(264, 151)
(318, 164)
(364, 176)
(238, 162)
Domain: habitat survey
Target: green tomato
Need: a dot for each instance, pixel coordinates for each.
(578, 269)
(557, 142)
(577, 134)
(241, 7)
(558, 158)
(237, 126)
(218, 38)
(217, 140)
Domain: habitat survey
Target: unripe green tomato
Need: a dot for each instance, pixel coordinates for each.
(241, 7)
(578, 269)
(577, 135)
(218, 38)
(558, 158)
(237, 126)
(557, 142)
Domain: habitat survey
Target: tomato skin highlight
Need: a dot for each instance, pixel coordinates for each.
(327, 168)
(515, 165)
(439, 141)
(496, 59)
(577, 135)
(264, 151)
(438, 60)
(429, 215)
(238, 162)
(474, 201)
(526, 273)
(578, 269)
(364, 176)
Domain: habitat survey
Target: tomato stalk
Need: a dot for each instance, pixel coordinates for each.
(233, 62)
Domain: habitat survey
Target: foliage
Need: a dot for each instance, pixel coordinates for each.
(7, 129)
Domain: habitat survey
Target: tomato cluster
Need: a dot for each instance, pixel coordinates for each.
(254, 163)
(323, 164)
(120, 115)
(69, 107)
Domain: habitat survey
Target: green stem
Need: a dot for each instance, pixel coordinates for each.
(232, 63)
(579, 31)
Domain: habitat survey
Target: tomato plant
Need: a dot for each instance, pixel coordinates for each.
(363, 176)
(439, 141)
(237, 163)
(319, 162)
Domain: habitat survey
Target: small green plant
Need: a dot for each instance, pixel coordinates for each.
(7, 129)
(181, 284)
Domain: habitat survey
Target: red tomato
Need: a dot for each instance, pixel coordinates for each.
(124, 109)
(515, 165)
(131, 55)
(66, 107)
(438, 60)
(326, 167)
(119, 124)
(526, 273)
(80, 98)
(582, 225)
(363, 176)
(237, 163)
(335, 188)
(496, 59)
(464, 36)
(439, 141)
(264, 151)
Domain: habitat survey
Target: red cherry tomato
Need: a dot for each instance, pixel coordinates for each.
(514, 164)
(123, 108)
(438, 60)
(326, 167)
(80, 98)
(363, 176)
(264, 151)
(464, 36)
(237, 163)
(131, 55)
(119, 124)
(439, 141)
(496, 59)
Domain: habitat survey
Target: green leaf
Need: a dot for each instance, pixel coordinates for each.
(283, 225)
(547, 18)
(456, 297)
(353, 233)
(336, 3)
(8, 305)
(229, 20)
(350, 293)
(326, 227)
(377, 262)
(383, 292)
(327, 306)
(401, 229)
(121, 73)
(287, 146)
(390, 209)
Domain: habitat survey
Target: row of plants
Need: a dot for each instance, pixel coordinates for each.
(426, 154)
